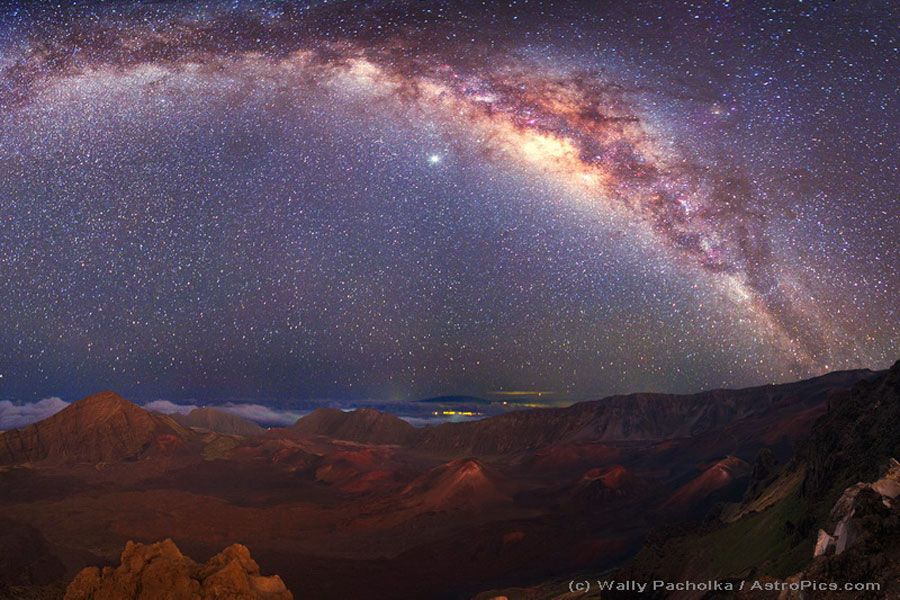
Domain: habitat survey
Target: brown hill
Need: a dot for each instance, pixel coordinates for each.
(219, 421)
(351, 461)
(103, 427)
(160, 570)
(456, 484)
(364, 425)
(614, 478)
(715, 478)
(598, 486)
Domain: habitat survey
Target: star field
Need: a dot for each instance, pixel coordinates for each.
(389, 200)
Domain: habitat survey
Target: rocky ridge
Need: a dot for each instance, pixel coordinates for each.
(160, 570)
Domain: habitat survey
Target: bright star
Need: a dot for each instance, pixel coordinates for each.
(434, 159)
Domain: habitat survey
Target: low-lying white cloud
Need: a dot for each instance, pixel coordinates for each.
(169, 408)
(263, 415)
(430, 421)
(14, 416)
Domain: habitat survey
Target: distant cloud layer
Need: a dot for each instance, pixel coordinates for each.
(264, 415)
(14, 416)
(169, 408)
(429, 421)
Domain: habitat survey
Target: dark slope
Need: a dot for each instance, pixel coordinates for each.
(773, 533)
(635, 417)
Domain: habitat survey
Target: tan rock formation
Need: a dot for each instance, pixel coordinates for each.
(160, 570)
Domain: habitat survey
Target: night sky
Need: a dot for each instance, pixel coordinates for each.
(356, 200)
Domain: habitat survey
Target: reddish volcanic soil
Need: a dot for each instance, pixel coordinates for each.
(711, 480)
(363, 505)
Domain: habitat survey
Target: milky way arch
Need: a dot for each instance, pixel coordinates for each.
(581, 129)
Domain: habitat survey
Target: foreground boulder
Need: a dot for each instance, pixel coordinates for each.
(846, 509)
(160, 570)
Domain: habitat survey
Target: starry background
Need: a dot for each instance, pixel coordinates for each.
(344, 201)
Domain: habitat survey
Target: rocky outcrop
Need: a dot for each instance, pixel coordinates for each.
(103, 427)
(864, 548)
(764, 472)
(160, 570)
(770, 537)
(847, 530)
(855, 437)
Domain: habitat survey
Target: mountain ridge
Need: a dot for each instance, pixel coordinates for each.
(105, 426)
(101, 427)
(627, 418)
